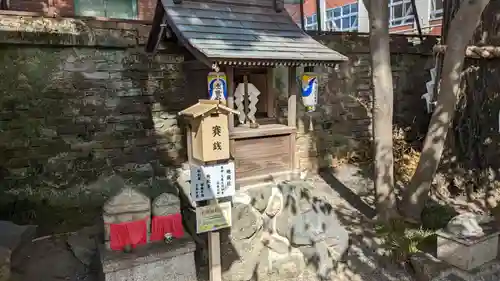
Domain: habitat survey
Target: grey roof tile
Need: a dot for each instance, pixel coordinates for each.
(244, 30)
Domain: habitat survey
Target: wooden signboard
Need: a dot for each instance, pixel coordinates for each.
(213, 217)
(213, 176)
(209, 130)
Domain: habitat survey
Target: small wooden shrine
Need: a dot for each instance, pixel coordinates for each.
(238, 43)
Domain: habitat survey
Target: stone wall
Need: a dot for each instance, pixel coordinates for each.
(82, 110)
(343, 117)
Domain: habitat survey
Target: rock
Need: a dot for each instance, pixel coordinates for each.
(290, 267)
(13, 236)
(283, 224)
(166, 204)
(277, 244)
(319, 256)
(4, 264)
(465, 225)
(252, 259)
(274, 205)
(260, 197)
(428, 268)
(83, 247)
(50, 259)
(245, 222)
(296, 197)
(312, 227)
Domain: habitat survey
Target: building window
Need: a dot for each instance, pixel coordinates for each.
(311, 22)
(118, 9)
(344, 18)
(400, 13)
(436, 9)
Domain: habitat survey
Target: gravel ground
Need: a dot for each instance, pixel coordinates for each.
(51, 259)
(365, 260)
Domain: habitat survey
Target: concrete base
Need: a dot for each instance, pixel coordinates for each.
(428, 268)
(153, 262)
(467, 254)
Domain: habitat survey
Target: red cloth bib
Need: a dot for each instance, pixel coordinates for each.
(166, 224)
(128, 233)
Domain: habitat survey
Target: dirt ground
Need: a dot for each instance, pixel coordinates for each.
(51, 258)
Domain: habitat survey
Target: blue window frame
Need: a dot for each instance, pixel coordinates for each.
(343, 18)
(436, 9)
(400, 13)
(311, 22)
(119, 9)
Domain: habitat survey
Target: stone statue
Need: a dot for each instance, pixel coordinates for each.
(467, 225)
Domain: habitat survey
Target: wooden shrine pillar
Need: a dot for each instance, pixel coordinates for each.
(292, 115)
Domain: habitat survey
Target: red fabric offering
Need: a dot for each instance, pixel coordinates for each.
(166, 224)
(128, 233)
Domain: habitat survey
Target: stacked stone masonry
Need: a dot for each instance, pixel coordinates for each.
(76, 113)
(81, 104)
(343, 117)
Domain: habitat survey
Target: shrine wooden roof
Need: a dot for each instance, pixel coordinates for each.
(236, 32)
(204, 107)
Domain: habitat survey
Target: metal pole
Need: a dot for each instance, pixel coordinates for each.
(318, 15)
(415, 16)
(302, 23)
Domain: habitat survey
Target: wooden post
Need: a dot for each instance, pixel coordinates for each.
(214, 261)
(271, 94)
(292, 115)
(292, 96)
(230, 94)
(189, 144)
(245, 96)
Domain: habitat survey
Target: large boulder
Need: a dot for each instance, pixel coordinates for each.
(12, 236)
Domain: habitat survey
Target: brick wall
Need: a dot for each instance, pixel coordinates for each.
(145, 8)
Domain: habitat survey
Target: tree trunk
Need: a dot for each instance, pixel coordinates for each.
(461, 30)
(382, 109)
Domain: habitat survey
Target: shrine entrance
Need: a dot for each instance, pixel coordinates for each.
(242, 45)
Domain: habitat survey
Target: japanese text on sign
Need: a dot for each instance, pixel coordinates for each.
(212, 181)
(213, 217)
(218, 89)
(216, 132)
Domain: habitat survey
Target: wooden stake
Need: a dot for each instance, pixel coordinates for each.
(292, 115)
(189, 144)
(230, 94)
(214, 254)
(292, 96)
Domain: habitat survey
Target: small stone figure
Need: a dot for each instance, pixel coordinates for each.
(466, 225)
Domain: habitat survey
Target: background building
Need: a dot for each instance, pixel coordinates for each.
(351, 15)
(339, 15)
(118, 9)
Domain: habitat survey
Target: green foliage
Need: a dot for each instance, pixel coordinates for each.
(436, 216)
(400, 239)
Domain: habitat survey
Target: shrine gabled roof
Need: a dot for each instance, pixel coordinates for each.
(249, 32)
(204, 107)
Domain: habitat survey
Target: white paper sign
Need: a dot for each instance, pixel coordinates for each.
(212, 181)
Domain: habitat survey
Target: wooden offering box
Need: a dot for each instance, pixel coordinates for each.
(209, 130)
